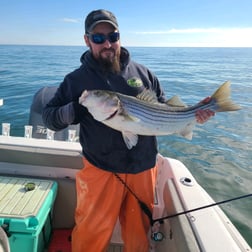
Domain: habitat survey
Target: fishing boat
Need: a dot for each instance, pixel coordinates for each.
(38, 199)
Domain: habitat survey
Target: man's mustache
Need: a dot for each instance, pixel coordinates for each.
(108, 50)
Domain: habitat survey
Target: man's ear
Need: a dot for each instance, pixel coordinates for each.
(86, 39)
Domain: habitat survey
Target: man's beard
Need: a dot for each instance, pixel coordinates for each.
(110, 65)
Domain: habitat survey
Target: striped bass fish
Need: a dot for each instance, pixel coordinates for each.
(144, 115)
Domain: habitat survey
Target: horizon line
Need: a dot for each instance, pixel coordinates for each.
(151, 46)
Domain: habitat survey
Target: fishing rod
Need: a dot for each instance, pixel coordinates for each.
(200, 208)
(159, 236)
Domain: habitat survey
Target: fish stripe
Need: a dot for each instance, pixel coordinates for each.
(159, 113)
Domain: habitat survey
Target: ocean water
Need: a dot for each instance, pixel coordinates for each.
(219, 155)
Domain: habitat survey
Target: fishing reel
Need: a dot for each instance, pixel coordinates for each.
(157, 236)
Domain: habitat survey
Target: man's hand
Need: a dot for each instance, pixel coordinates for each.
(203, 115)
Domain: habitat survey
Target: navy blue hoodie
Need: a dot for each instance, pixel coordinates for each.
(102, 146)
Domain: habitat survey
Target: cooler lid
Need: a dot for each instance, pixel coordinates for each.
(22, 197)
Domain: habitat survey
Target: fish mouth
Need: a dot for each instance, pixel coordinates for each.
(112, 115)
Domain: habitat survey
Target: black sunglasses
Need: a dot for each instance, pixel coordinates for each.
(99, 38)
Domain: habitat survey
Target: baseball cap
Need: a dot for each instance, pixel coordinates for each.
(99, 16)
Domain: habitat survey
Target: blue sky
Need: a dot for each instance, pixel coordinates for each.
(214, 23)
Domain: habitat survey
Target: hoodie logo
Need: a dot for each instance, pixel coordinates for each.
(135, 82)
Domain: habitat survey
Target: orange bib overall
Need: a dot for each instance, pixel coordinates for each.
(101, 198)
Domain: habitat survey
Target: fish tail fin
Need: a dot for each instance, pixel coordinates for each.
(222, 98)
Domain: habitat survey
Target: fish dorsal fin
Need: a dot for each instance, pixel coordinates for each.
(175, 101)
(148, 96)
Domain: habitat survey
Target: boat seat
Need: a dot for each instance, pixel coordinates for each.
(40, 99)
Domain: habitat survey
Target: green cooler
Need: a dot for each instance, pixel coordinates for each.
(26, 206)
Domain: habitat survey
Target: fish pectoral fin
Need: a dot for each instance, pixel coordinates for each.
(130, 139)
